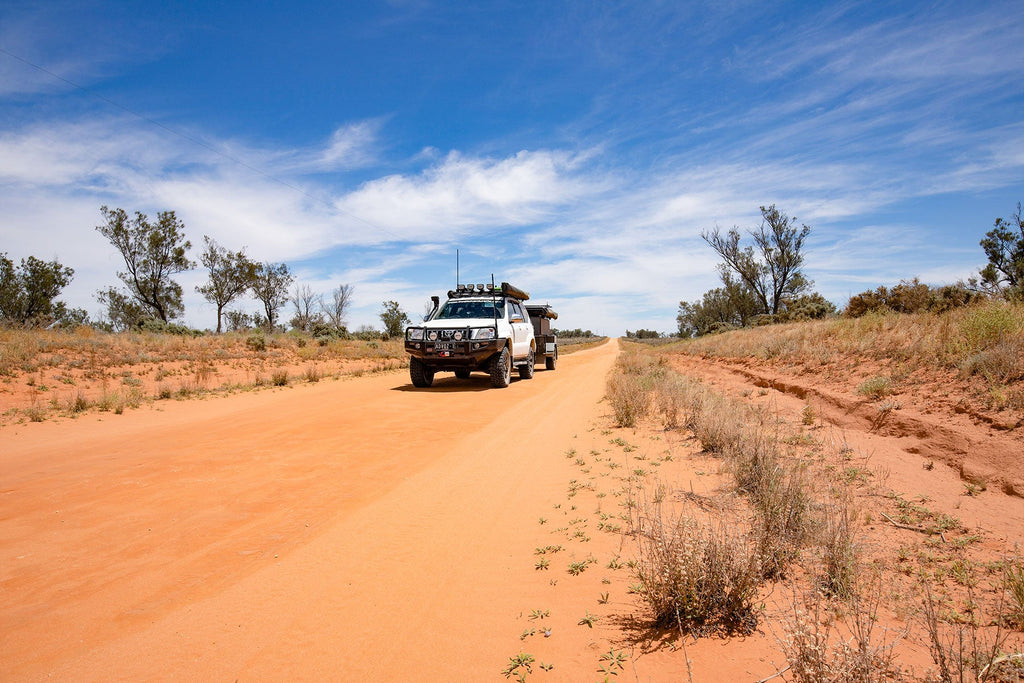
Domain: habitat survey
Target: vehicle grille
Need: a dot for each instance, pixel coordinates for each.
(461, 334)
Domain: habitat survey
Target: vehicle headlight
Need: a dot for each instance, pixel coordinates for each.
(414, 334)
(483, 333)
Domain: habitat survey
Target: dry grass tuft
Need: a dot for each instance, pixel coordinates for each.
(698, 577)
(820, 646)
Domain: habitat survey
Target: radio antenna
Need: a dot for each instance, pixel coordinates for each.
(457, 269)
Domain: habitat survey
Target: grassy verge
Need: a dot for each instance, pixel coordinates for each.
(981, 344)
(48, 373)
(801, 516)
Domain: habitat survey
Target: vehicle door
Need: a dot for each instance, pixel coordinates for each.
(521, 329)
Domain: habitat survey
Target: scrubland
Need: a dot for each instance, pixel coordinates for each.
(54, 373)
(868, 513)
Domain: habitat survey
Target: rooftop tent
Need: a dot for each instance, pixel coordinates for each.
(541, 317)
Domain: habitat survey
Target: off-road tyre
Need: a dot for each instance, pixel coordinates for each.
(501, 369)
(551, 361)
(463, 373)
(526, 369)
(420, 374)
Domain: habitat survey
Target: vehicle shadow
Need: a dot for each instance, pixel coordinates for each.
(452, 384)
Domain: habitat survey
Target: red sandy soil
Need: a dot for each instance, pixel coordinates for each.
(364, 530)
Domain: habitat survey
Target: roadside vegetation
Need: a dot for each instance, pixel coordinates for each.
(61, 372)
(804, 518)
(981, 344)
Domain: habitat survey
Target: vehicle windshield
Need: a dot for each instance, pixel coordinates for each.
(457, 310)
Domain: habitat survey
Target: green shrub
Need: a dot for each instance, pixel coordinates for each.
(985, 327)
(911, 296)
(875, 387)
(257, 341)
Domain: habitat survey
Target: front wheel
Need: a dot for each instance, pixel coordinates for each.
(501, 370)
(420, 374)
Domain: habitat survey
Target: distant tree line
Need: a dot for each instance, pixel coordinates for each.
(762, 283)
(643, 334)
(155, 251)
(572, 333)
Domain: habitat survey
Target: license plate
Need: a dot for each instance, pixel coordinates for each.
(444, 346)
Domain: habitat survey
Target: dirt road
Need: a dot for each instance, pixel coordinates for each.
(356, 530)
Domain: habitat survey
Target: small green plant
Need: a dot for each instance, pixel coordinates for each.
(577, 568)
(540, 614)
(542, 563)
(279, 378)
(971, 489)
(548, 549)
(588, 620)
(807, 415)
(623, 444)
(519, 666)
(602, 599)
(875, 387)
(613, 661)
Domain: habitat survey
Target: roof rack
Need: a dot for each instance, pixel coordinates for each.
(505, 289)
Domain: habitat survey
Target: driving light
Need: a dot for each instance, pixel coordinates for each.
(432, 335)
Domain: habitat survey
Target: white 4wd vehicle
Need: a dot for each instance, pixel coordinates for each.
(483, 328)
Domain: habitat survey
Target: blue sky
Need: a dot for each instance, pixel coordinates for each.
(576, 149)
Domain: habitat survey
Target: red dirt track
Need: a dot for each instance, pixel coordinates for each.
(356, 529)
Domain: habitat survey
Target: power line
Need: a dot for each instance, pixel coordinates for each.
(196, 141)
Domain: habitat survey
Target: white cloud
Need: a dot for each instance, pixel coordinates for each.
(461, 193)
